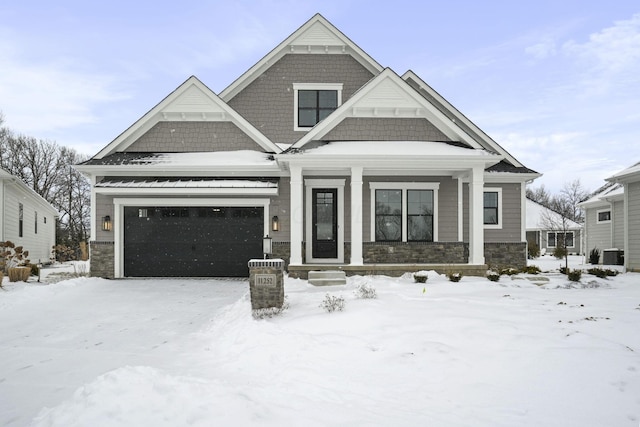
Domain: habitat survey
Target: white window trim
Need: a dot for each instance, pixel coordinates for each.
(561, 232)
(493, 190)
(403, 186)
(120, 203)
(310, 184)
(312, 86)
(608, 221)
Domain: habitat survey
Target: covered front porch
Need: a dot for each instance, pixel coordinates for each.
(392, 270)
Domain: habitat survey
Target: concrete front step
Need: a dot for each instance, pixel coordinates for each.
(327, 278)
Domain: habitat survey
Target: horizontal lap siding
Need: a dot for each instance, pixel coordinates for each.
(511, 230)
(618, 225)
(597, 235)
(633, 261)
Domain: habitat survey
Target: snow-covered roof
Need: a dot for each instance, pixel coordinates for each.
(185, 183)
(190, 159)
(393, 148)
(538, 217)
(625, 174)
(607, 191)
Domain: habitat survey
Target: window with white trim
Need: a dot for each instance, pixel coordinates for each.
(556, 238)
(313, 102)
(603, 216)
(492, 207)
(404, 212)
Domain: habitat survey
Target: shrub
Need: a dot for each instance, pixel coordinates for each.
(559, 252)
(365, 291)
(454, 277)
(532, 269)
(564, 270)
(611, 272)
(509, 271)
(420, 277)
(493, 276)
(574, 275)
(332, 303)
(19, 274)
(533, 250)
(594, 256)
(63, 253)
(598, 272)
(12, 256)
(262, 313)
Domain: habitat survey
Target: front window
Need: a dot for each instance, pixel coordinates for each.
(314, 102)
(420, 215)
(404, 212)
(388, 215)
(490, 208)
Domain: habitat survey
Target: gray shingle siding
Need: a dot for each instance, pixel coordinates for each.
(267, 102)
(633, 252)
(193, 136)
(385, 129)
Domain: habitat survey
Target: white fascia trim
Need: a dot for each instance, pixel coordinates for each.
(312, 86)
(500, 210)
(403, 186)
(188, 191)
(120, 203)
(182, 170)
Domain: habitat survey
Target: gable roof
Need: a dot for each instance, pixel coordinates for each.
(631, 173)
(603, 195)
(387, 95)
(536, 214)
(6, 176)
(317, 35)
(458, 118)
(192, 100)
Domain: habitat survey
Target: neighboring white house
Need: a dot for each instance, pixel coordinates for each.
(26, 218)
(624, 203)
(543, 228)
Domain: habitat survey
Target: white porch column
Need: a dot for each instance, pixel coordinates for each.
(297, 214)
(476, 217)
(356, 216)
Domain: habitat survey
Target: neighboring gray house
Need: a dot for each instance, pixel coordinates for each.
(342, 162)
(26, 218)
(622, 201)
(546, 228)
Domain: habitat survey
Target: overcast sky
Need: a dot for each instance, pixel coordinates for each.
(555, 82)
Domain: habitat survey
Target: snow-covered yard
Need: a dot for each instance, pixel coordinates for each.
(92, 352)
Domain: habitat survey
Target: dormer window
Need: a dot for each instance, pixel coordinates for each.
(313, 102)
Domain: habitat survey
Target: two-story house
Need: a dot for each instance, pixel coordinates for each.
(344, 163)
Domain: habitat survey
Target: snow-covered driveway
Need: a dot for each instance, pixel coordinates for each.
(94, 326)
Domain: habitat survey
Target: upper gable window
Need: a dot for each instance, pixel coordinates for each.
(313, 102)
(604, 216)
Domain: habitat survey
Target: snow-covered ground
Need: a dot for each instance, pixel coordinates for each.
(93, 352)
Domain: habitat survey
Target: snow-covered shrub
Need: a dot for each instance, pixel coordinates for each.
(532, 269)
(509, 271)
(598, 272)
(454, 277)
(365, 291)
(420, 277)
(262, 313)
(332, 303)
(493, 276)
(574, 275)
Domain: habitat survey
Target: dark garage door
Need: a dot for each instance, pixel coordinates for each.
(191, 241)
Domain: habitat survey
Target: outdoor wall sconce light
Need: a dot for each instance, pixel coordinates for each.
(266, 246)
(275, 223)
(106, 223)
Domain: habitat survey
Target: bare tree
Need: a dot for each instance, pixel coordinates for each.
(557, 219)
(539, 195)
(573, 193)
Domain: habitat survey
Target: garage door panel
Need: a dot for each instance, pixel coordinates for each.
(191, 242)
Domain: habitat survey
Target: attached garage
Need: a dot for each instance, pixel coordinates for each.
(202, 241)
